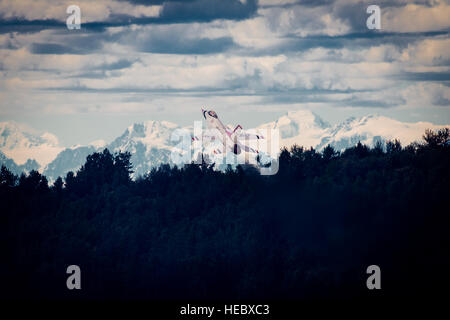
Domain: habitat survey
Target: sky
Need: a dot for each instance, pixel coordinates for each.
(251, 61)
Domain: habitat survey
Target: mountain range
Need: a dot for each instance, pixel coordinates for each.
(23, 149)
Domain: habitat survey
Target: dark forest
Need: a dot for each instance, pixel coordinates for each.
(308, 232)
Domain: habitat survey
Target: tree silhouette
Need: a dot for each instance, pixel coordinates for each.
(7, 178)
(194, 232)
(437, 139)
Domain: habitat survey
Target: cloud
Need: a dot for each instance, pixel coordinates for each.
(291, 3)
(54, 48)
(116, 65)
(425, 76)
(154, 2)
(424, 95)
(180, 45)
(28, 26)
(415, 18)
(106, 69)
(46, 10)
(69, 43)
(176, 11)
(294, 43)
(207, 10)
(32, 16)
(230, 53)
(396, 16)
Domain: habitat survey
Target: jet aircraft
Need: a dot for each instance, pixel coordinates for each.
(232, 140)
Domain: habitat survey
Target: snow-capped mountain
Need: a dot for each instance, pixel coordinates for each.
(150, 142)
(372, 128)
(302, 127)
(307, 129)
(21, 143)
(70, 159)
(18, 169)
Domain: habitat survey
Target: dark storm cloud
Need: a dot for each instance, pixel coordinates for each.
(154, 2)
(52, 48)
(168, 40)
(171, 12)
(324, 99)
(74, 45)
(268, 95)
(207, 10)
(326, 96)
(106, 70)
(356, 102)
(278, 95)
(118, 65)
(197, 91)
(179, 41)
(186, 46)
(358, 40)
(201, 10)
(424, 76)
(353, 14)
(305, 3)
(97, 75)
(28, 26)
(395, 3)
(186, 12)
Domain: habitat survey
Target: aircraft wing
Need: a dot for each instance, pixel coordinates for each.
(248, 149)
(208, 136)
(249, 136)
(205, 138)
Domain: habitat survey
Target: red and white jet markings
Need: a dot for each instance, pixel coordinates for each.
(229, 139)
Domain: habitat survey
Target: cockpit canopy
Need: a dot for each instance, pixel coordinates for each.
(212, 114)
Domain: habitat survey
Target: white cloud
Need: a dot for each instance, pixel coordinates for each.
(416, 18)
(90, 10)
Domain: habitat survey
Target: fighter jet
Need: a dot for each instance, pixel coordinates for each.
(232, 140)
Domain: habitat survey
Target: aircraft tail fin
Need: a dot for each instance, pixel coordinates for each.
(237, 129)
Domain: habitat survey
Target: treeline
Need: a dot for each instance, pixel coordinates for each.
(310, 231)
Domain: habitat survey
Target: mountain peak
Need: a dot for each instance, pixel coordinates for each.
(141, 129)
(307, 118)
(147, 134)
(150, 145)
(302, 127)
(98, 143)
(20, 143)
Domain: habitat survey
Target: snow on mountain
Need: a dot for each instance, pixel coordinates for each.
(150, 133)
(18, 169)
(150, 142)
(70, 159)
(302, 127)
(21, 143)
(372, 128)
(307, 129)
(98, 143)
